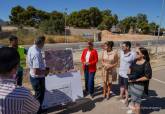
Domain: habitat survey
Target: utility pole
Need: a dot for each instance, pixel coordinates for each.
(161, 18)
(66, 40)
(155, 27)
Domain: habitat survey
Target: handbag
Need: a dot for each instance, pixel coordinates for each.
(114, 75)
(133, 76)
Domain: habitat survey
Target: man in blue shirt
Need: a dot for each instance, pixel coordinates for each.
(38, 70)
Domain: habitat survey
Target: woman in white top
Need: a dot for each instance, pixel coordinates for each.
(109, 63)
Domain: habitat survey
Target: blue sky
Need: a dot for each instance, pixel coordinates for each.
(122, 8)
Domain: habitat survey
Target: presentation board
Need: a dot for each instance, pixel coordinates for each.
(59, 61)
(62, 89)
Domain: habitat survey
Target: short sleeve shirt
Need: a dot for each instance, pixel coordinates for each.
(125, 62)
(141, 70)
(35, 60)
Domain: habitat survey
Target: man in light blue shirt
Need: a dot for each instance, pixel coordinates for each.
(37, 69)
(126, 58)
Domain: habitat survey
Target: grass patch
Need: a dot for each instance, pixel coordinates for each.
(27, 38)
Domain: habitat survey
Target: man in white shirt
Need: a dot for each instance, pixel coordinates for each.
(126, 59)
(37, 69)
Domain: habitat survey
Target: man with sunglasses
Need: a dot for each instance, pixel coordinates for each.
(126, 58)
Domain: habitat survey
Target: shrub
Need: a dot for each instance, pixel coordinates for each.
(52, 27)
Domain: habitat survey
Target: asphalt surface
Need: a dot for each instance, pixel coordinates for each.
(154, 104)
(79, 46)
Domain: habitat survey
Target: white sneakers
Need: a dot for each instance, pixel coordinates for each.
(130, 112)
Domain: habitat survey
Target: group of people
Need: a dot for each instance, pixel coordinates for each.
(14, 98)
(134, 72)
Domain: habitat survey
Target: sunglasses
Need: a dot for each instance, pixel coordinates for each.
(138, 53)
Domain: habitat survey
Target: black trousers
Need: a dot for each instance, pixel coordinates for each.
(38, 84)
(89, 80)
(146, 87)
(19, 77)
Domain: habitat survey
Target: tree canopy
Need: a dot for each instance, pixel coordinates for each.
(54, 21)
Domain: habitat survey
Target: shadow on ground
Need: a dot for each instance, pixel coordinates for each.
(83, 104)
(153, 103)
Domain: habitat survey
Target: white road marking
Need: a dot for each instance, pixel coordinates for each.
(158, 80)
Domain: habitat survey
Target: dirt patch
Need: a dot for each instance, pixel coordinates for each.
(106, 35)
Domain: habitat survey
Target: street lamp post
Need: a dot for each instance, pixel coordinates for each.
(154, 30)
(155, 27)
(161, 18)
(66, 40)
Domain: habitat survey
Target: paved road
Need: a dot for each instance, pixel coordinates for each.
(77, 46)
(155, 104)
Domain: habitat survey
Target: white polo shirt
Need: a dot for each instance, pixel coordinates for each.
(35, 60)
(125, 62)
